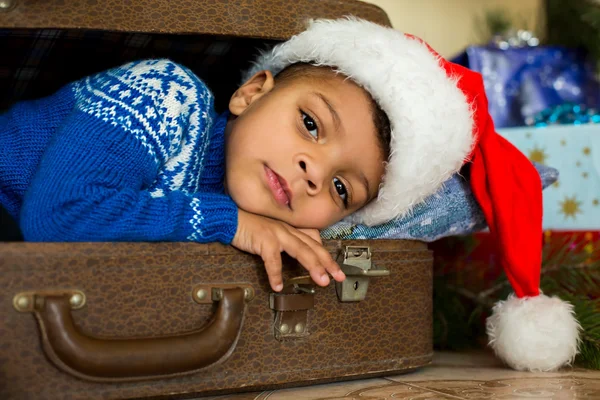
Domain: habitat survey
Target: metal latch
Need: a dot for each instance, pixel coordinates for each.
(291, 307)
(356, 263)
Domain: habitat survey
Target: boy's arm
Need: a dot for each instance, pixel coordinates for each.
(97, 213)
(93, 182)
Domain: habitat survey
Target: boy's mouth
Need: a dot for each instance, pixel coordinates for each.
(279, 188)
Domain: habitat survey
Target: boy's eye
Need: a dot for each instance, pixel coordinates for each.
(340, 188)
(311, 125)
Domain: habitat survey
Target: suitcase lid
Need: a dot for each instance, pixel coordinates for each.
(266, 19)
(46, 44)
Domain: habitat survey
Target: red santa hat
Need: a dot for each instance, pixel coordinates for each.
(439, 120)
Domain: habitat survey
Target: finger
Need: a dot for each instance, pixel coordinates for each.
(313, 234)
(271, 255)
(324, 256)
(306, 256)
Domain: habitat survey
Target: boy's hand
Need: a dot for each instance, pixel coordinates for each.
(313, 233)
(267, 238)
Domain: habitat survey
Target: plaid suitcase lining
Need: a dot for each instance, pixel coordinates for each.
(36, 63)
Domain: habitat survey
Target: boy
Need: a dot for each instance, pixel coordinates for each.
(346, 120)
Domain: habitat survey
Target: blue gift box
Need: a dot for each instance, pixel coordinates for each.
(522, 81)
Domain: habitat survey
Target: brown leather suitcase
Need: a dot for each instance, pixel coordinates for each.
(122, 320)
(180, 320)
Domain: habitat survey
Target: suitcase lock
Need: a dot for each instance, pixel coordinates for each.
(291, 307)
(356, 263)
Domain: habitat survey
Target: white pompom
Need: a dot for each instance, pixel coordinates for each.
(534, 333)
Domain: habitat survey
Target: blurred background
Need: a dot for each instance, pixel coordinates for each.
(450, 26)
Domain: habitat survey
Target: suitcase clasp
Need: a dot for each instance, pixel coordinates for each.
(291, 307)
(299, 284)
(355, 262)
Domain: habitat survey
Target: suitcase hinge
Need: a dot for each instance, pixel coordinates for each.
(291, 307)
(356, 263)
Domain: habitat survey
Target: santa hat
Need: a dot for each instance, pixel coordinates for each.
(439, 120)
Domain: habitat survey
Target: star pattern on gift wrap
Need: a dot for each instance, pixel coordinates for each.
(596, 202)
(556, 184)
(587, 151)
(584, 175)
(538, 155)
(570, 207)
(563, 142)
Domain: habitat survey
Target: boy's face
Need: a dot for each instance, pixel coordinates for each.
(304, 152)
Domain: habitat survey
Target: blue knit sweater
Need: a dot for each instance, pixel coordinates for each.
(135, 153)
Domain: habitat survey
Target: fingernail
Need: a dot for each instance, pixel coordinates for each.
(278, 287)
(325, 279)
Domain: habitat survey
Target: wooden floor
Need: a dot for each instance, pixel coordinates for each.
(452, 376)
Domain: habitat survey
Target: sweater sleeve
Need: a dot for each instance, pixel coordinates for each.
(96, 179)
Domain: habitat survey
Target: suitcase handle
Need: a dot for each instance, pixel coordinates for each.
(114, 360)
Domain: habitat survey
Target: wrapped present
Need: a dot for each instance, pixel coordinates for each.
(522, 81)
(573, 202)
(565, 114)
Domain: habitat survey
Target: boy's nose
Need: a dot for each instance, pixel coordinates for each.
(312, 175)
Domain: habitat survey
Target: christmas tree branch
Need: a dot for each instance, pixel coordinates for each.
(480, 298)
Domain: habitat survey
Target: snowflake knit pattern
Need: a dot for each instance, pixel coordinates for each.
(135, 153)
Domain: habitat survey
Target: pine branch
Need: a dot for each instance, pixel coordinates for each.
(589, 356)
(588, 315)
(475, 298)
(574, 23)
(484, 296)
(455, 321)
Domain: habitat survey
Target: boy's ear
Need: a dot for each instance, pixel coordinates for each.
(254, 88)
